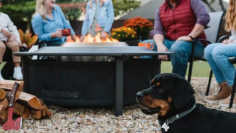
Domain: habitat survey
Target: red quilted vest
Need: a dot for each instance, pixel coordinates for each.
(179, 21)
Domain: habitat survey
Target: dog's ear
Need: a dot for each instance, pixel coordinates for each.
(183, 92)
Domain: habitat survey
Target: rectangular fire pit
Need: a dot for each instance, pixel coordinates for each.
(89, 83)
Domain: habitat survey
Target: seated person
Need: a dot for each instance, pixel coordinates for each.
(9, 36)
(48, 23)
(177, 23)
(217, 57)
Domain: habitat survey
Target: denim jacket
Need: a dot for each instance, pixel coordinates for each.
(44, 28)
(105, 18)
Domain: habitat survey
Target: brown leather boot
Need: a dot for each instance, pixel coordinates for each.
(224, 92)
(225, 102)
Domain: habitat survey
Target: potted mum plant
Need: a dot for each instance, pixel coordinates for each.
(141, 25)
(27, 39)
(125, 34)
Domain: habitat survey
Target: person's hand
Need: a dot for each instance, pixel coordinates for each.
(20, 44)
(226, 41)
(73, 37)
(58, 33)
(231, 41)
(6, 33)
(12, 38)
(104, 35)
(162, 48)
(184, 38)
(82, 38)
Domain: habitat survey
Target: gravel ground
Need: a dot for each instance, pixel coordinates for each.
(102, 120)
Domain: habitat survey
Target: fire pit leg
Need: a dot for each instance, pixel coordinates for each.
(119, 87)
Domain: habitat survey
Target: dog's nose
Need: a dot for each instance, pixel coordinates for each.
(139, 96)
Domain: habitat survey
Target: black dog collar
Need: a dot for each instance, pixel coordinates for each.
(165, 124)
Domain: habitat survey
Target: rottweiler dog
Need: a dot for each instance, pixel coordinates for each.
(171, 96)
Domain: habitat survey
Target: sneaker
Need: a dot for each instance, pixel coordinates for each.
(1, 78)
(225, 103)
(17, 73)
(224, 92)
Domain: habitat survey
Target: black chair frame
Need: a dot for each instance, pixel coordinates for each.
(214, 24)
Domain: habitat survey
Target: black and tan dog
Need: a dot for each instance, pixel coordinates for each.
(171, 96)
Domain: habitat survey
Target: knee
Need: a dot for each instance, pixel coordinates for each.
(217, 53)
(180, 48)
(208, 52)
(14, 45)
(2, 47)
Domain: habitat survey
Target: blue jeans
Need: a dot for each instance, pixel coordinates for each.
(217, 56)
(182, 52)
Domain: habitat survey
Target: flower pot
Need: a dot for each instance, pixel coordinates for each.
(143, 35)
(132, 42)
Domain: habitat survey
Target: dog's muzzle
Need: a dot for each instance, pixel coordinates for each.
(147, 110)
(139, 97)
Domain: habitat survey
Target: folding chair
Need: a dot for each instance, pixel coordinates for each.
(212, 33)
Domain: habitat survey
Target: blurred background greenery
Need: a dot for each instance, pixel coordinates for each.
(22, 10)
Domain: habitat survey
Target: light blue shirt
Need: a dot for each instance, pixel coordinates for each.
(44, 28)
(105, 16)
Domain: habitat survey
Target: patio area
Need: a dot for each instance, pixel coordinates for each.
(93, 120)
(102, 119)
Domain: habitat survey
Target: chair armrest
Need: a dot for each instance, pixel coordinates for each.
(232, 59)
(23, 49)
(204, 40)
(42, 44)
(221, 39)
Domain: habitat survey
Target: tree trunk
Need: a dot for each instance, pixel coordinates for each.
(209, 5)
(222, 5)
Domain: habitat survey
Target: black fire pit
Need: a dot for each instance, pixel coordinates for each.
(92, 83)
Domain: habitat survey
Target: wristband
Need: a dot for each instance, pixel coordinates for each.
(189, 35)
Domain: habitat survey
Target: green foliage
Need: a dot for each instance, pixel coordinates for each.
(71, 14)
(18, 10)
(22, 10)
(124, 6)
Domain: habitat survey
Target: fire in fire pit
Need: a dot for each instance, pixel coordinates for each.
(90, 38)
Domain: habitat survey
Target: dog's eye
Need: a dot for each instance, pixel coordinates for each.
(158, 88)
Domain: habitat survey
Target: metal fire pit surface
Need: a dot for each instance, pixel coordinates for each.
(91, 44)
(97, 44)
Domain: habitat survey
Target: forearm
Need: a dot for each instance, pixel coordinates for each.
(197, 30)
(45, 37)
(53, 35)
(158, 38)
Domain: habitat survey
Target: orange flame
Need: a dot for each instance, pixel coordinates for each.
(90, 38)
(69, 39)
